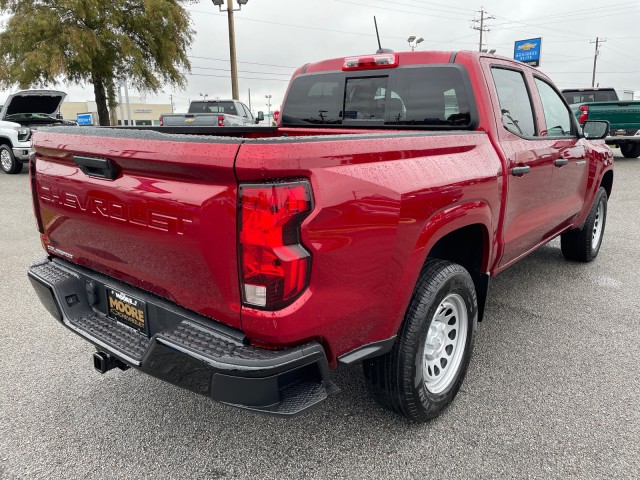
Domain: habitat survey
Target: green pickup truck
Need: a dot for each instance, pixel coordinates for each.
(603, 104)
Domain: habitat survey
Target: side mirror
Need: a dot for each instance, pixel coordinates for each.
(595, 129)
(260, 116)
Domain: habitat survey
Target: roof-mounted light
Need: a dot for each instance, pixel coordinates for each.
(385, 60)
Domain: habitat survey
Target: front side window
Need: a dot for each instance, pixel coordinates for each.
(556, 114)
(515, 104)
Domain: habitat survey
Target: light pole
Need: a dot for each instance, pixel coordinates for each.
(232, 42)
(268, 97)
(413, 41)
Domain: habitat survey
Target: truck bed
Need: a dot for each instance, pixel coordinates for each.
(167, 223)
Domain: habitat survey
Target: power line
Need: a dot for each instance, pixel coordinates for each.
(574, 15)
(249, 63)
(227, 76)
(243, 71)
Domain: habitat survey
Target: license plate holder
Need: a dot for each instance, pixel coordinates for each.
(127, 309)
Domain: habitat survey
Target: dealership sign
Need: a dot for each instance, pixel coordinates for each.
(528, 51)
(84, 119)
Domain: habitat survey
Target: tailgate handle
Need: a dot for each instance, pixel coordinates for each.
(97, 167)
(561, 162)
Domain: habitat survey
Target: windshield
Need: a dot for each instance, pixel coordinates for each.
(213, 107)
(575, 96)
(435, 96)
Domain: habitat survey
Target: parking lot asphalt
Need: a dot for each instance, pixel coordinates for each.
(552, 390)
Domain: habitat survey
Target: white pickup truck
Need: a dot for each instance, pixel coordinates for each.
(213, 113)
(22, 113)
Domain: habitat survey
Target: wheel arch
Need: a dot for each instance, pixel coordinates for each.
(6, 141)
(462, 235)
(607, 182)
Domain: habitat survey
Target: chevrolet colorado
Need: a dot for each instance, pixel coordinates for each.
(245, 263)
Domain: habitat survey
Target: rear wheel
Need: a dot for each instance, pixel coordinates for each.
(423, 372)
(630, 150)
(583, 244)
(8, 161)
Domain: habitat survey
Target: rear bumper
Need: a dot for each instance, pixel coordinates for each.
(184, 348)
(614, 140)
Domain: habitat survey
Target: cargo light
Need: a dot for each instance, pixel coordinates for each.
(274, 266)
(584, 116)
(221, 120)
(385, 60)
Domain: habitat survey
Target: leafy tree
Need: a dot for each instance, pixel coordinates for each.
(95, 41)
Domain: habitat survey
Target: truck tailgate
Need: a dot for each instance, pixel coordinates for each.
(166, 223)
(621, 115)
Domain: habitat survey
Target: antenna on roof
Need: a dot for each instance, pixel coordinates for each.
(380, 49)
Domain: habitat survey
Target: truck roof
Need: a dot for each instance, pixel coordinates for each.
(404, 58)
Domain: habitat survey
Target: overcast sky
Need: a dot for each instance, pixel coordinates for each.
(273, 37)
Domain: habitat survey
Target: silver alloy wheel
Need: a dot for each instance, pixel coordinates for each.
(597, 226)
(445, 343)
(5, 158)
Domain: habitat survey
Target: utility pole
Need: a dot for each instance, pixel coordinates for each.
(481, 26)
(598, 41)
(232, 51)
(268, 97)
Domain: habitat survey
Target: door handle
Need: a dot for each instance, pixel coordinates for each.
(97, 167)
(561, 162)
(515, 171)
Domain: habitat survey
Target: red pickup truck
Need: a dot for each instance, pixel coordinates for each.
(245, 263)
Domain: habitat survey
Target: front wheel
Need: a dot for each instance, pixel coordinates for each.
(630, 150)
(583, 244)
(423, 372)
(8, 161)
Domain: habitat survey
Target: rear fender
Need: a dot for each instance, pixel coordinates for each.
(437, 227)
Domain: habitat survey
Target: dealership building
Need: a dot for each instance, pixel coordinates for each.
(141, 113)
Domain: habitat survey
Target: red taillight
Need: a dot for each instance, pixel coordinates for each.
(584, 116)
(274, 266)
(385, 60)
(161, 121)
(221, 120)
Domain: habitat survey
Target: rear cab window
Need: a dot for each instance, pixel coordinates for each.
(432, 97)
(212, 107)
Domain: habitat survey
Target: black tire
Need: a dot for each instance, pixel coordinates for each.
(8, 161)
(630, 150)
(398, 379)
(582, 244)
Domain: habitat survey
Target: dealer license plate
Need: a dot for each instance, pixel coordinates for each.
(127, 309)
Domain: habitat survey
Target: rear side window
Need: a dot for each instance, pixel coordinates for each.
(515, 103)
(434, 96)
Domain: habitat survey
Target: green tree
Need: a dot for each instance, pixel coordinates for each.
(97, 42)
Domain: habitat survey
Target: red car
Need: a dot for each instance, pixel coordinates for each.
(244, 263)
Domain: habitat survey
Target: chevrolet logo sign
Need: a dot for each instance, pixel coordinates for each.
(621, 132)
(189, 120)
(527, 46)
